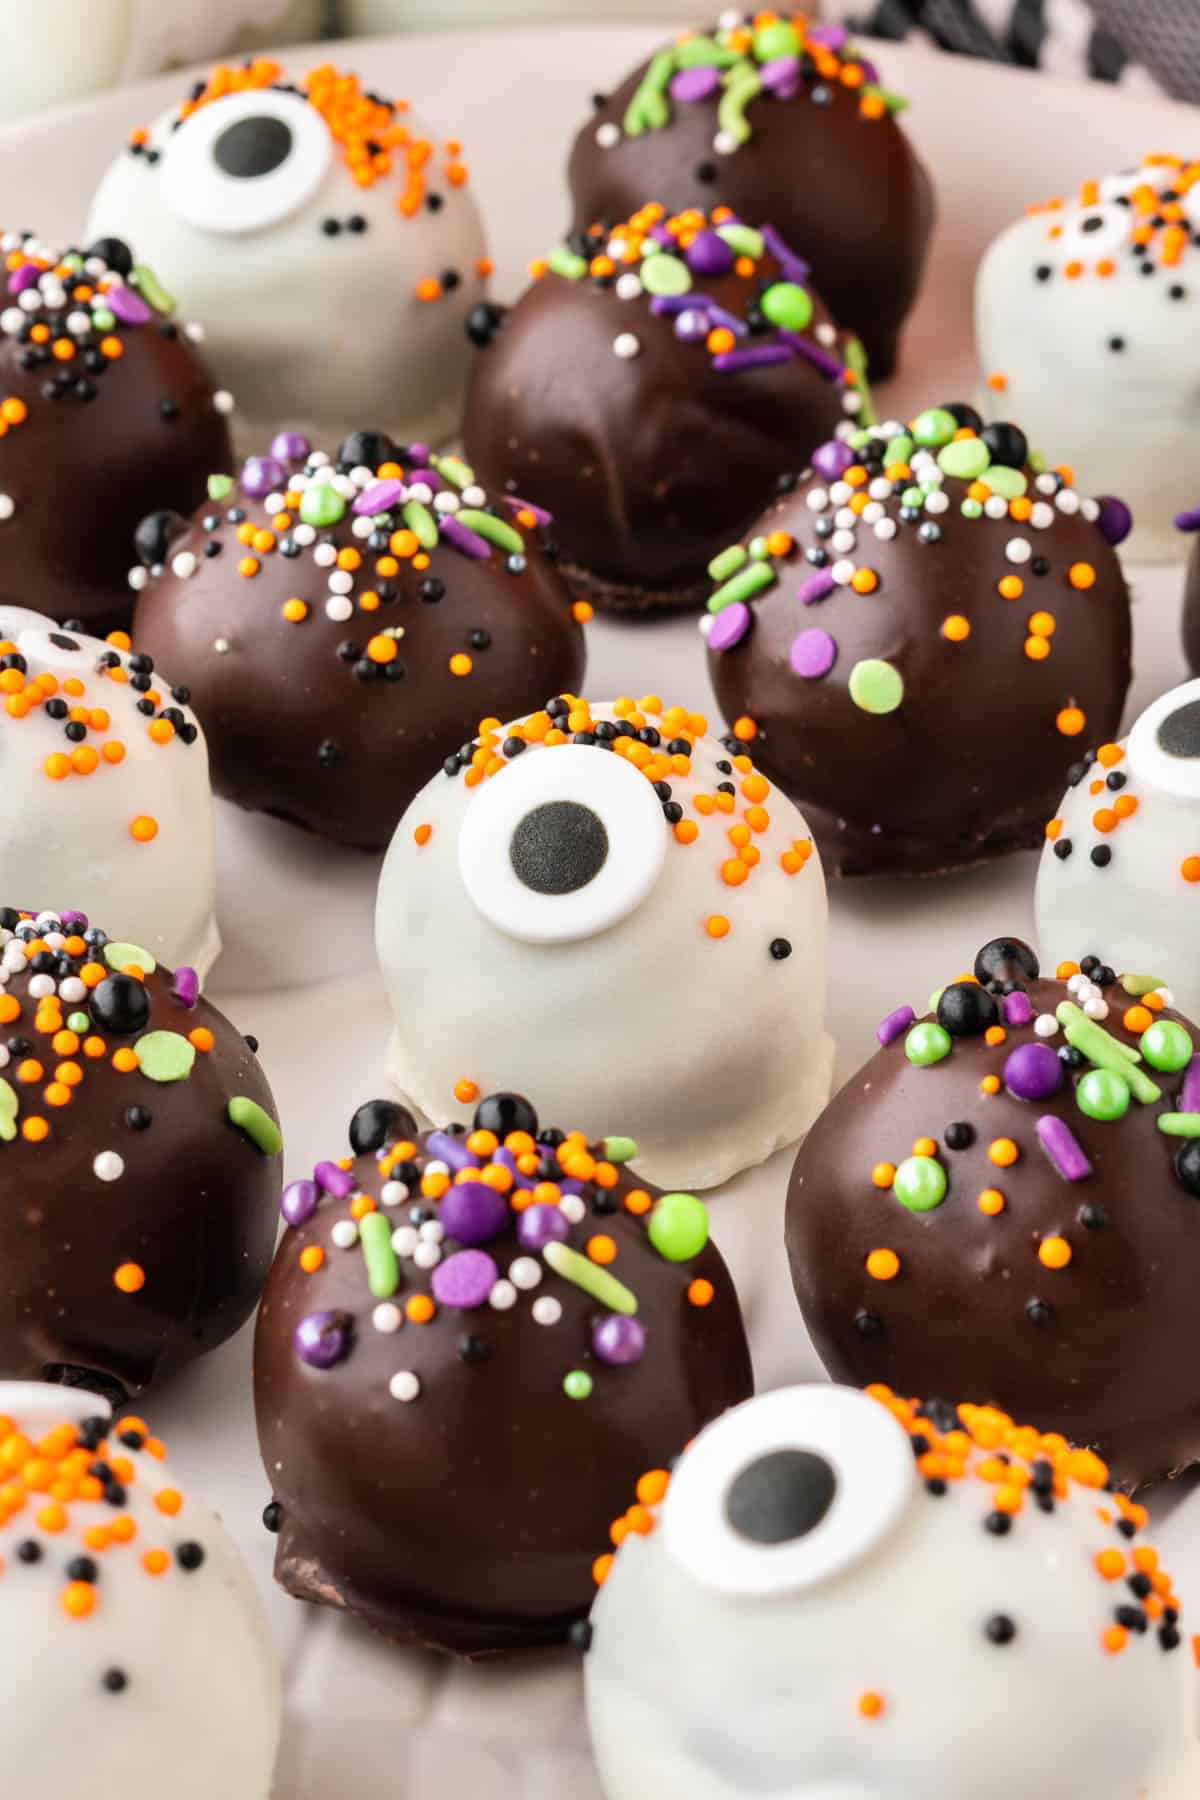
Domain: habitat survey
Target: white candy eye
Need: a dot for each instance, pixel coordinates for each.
(246, 161)
(1096, 231)
(562, 843)
(1164, 745)
(47, 646)
(784, 1491)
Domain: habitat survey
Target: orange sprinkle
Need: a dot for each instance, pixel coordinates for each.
(1189, 868)
(601, 1248)
(311, 1258)
(992, 1202)
(465, 1092)
(1071, 721)
(883, 1265)
(700, 1292)
(717, 925)
(871, 1705)
(130, 1277)
(1054, 1253)
(956, 628)
(144, 829)
(883, 1174)
(1003, 1152)
(1081, 575)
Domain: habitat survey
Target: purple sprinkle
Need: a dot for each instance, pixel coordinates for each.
(1062, 1147)
(24, 277)
(661, 235)
(451, 1150)
(729, 626)
(814, 653)
(760, 356)
(794, 267)
(129, 307)
(419, 453)
(870, 71)
(78, 920)
(1184, 521)
(1189, 1093)
(540, 1225)
(814, 587)
(505, 1157)
(667, 305)
(895, 1025)
(298, 1202)
(261, 475)
(430, 477)
(1115, 519)
(338, 1182)
(708, 254)
(1017, 1009)
(463, 538)
(465, 1279)
(539, 513)
(694, 84)
(729, 320)
(322, 1339)
(1033, 1072)
(290, 446)
(830, 366)
(831, 460)
(830, 37)
(186, 986)
(692, 324)
(618, 1341)
(780, 76)
(473, 1213)
(379, 497)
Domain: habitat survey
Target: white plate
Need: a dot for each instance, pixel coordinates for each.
(365, 1720)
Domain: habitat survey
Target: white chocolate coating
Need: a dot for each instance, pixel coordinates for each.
(1100, 362)
(1139, 912)
(69, 841)
(709, 1051)
(724, 1669)
(324, 333)
(199, 1713)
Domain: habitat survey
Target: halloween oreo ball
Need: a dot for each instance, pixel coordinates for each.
(919, 637)
(784, 121)
(1004, 1200)
(133, 1626)
(343, 622)
(139, 1159)
(890, 1598)
(471, 1343)
(106, 409)
(106, 793)
(651, 387)
(350, 224)
(622, 914)
(1086, 323)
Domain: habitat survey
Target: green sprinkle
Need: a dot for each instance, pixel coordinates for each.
(663, 274)
(1010, 484)
(73, 261)
(583, 1273)
(787, 305)
(972, 509)
(704, 53)
(898, 451)
(748, 581)
(220, 487)
(727, 563)
(1166, 1046)
(913, 496)
(741, 86)
(743, 240)
(577, 1385)
(1092, 1041)
(256, 1124)
(125, 956)
(860, 439)
(620, 1149)
(1103, 1094)
(164, 1056)
(495, 531)
(1141, 984)
(383, 1268)
(152, 289)
(920, 1183)
(678, 1227)
(457, 472)
(1184, 1125)
(8, 1112)
(79, 1022)
(322, 505)
(772, 42)
(934, 428)
(758, 548)
(895, 103)
(856, 362)
(966, 459)
(1037, 461)
(103, 319)
(876, 686)
(927, 1043)
(563, 261)
(421, 523)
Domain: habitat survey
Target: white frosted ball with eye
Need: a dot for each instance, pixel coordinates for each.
(641, 947)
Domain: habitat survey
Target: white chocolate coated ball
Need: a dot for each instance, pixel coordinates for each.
(71, 841)
(547, 931)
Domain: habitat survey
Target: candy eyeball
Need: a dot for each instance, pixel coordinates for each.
(246, 162)
(606, 906)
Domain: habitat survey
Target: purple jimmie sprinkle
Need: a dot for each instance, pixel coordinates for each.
(730, 321)
(667, 305)
(1115, 519)
(323, 1339)
(729, 626)
(452, 1150)
(186, 986)
(760, 356)
(129, 307)
(24, 277)
(338, 1182)
(298, 1202)
(463, 538)
(896, 1023)
(1017, 1009)
(1184, 521)
(870, 71)
(814, 587)
(661, 235)
(831, 367)
(430, 477)
(505, 1157)
(379, 497)
(794, 267)
(1063, 1148)
(694, 84)
(540, 515)
(830, 37)
(1189, 1093)
(781, 77)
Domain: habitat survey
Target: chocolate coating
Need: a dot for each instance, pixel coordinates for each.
(1094, 1343)
(105, 438)
(190, 1204)
(1191, 609)
(973, 758)
(652, 460)
(848, 192)
(468, 1519)
(301, 721)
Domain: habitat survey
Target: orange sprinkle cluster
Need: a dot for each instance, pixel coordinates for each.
(1158, 226)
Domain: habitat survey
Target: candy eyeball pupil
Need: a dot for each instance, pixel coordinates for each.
(559, 847)
(62, 642)
(1179, 733)
(1093, 222)
(253, 147)
(781, 1496)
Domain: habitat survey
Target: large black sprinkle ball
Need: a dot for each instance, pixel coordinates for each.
(502, 1113)
(964, 416)
(366, 449)
(154, 536)
(121, 1004)
(1187, 1166)
(483, 322)
(1007, 444)
(966, 1010)
(378, 1123)
(115, 252)
(1006, 959)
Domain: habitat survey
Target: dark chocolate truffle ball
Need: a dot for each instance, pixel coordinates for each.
(918, 642)
(651, 389)
(342, 625)
(1046, 1259)
(780, 124)
(139, 1161)
(469, 1351)
(106, 411)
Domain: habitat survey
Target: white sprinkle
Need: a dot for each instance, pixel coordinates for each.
(839, 493)
(72, 990)
(1042, 515)
(996, 506)
(275, 503)
(842, 543)
(845, 518)
(573, 1209)
(387, 1317)
(724, 143)
(432, 1230)
(345, 1234)
(1076, 982)
(361, 476)
(183, 565)
(108, 1166)
(843, 572)
(223, 401)
(304, 535)
(1046, 484)
(1090, 510)
(11, 320)
(427, 1255)
(362, 528)
(341, 581)
(1018, 550)
(79, 323)
(405, 1240)
(880, 488)
(626, 346)
(886, 528)
(629, 286)
(41, 986)
(137, 579)
(343, 485)
(339, 608)
(503, 1296)
(608, 134)
(222, 646)
(851, 400)
(937, 502)
(1166, 995)
(393, 1192)
(1067, 500)
(704, 623)
(7, 508)
(826, 334)
(445, 502)
(526, 1272)
(1096, 1009)
(546, 1310)
(194, 333)
(872, 512)
(437, 1167)
(817, 499)
(325, 555)
(1045, 1025)
(474, 496)
(404, 1385)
